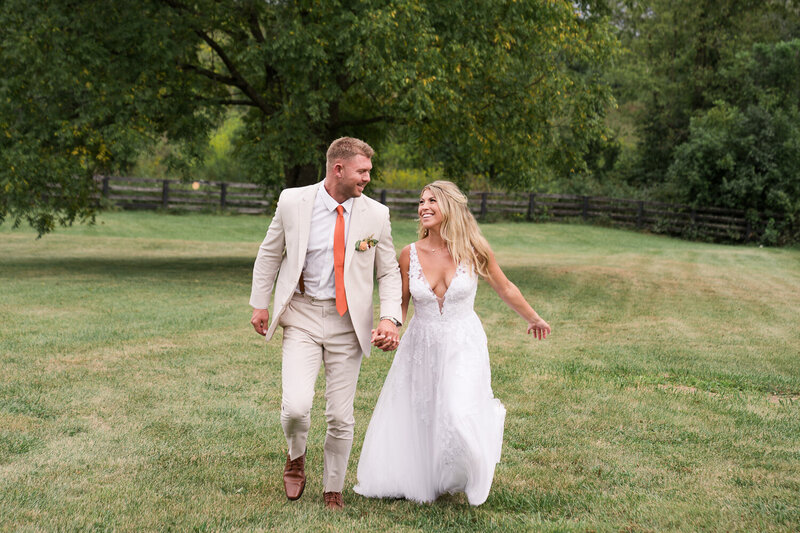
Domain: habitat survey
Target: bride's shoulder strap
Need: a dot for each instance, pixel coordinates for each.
(413, 263)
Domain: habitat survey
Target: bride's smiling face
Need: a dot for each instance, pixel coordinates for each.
(429, 213)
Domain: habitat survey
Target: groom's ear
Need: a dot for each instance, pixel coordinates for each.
(338, 168)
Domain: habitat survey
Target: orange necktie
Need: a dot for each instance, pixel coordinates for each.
(338, 261)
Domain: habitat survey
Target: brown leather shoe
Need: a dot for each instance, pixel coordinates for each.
(294, 477)
(333, 501)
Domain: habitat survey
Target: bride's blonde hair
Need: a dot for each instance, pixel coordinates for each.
(459, 229)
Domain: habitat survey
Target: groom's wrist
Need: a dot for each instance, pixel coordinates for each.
(392, 320)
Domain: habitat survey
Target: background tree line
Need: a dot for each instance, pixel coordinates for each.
(690, 101)
(710, 92)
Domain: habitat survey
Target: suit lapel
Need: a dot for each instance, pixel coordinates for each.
(304, 209)
(355, 231)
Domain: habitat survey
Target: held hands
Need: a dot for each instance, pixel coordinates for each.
(385, 336)
(539, 328)
(260, 321)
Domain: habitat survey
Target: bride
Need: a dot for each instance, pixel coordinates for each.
(437, 427)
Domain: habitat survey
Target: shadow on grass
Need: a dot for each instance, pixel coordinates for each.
(171, 267)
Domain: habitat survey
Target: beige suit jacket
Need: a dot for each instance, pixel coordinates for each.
(282, 255)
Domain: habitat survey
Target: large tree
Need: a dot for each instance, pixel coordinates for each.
(506, 88)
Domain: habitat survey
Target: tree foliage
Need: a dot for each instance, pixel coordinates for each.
(507, 89)
(673, 68)
(712, 88)
(744, 152)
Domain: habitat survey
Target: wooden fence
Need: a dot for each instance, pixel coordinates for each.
(150, 193)
(709, 222)
(713, 223)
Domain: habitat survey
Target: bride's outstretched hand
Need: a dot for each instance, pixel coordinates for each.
(539, 328)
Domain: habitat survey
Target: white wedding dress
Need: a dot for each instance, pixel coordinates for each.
(437, 427)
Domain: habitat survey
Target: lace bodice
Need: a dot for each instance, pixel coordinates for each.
(458, 300)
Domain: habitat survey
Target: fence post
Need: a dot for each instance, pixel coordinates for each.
(105, 186)
(223, 195)
(165, 194)
(484, 198)
(383, 196)
(748, 229)
(531, 205)
(640, 215)
(585, 213)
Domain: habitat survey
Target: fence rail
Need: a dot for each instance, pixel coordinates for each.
(150, 193)
(710, 222)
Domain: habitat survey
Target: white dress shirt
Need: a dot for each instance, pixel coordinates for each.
(318, 277)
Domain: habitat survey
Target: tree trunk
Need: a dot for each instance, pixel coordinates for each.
(301, 175)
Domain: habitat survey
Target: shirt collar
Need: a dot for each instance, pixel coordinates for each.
(331, 204)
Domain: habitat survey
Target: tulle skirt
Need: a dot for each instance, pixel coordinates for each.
(437, 427)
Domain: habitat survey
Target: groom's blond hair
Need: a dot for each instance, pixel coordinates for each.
(459, 228)
(345, 148)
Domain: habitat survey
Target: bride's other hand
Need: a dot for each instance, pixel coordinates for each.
(539, 328)
(513, 298)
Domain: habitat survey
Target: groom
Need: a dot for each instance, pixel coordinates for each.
(323, 245)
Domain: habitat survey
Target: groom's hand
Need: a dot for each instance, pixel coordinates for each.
(385, 336)
(260, 321)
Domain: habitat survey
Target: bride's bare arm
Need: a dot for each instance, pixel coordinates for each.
(513, 298)
(403, 261)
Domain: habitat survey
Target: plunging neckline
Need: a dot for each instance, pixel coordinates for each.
(439, 300)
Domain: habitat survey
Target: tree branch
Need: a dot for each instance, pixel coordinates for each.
(175, 5)
(238, 79)
(270, 74)
(210, 74)
(235, 79)
(237, 34)
(361, 122)
(223, 101)
(255, 27)
(343, 81)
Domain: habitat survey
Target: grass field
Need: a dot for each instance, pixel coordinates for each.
(134, 394)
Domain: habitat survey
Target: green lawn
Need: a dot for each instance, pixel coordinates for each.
(135, 395)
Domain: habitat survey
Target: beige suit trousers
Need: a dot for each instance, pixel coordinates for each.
(314, 333)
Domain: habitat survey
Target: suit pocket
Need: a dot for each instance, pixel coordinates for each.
(282, 320)
(365, 258)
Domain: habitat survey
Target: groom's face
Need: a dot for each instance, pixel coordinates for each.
(353, 175)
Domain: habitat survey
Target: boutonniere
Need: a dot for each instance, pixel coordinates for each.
(363, 245)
